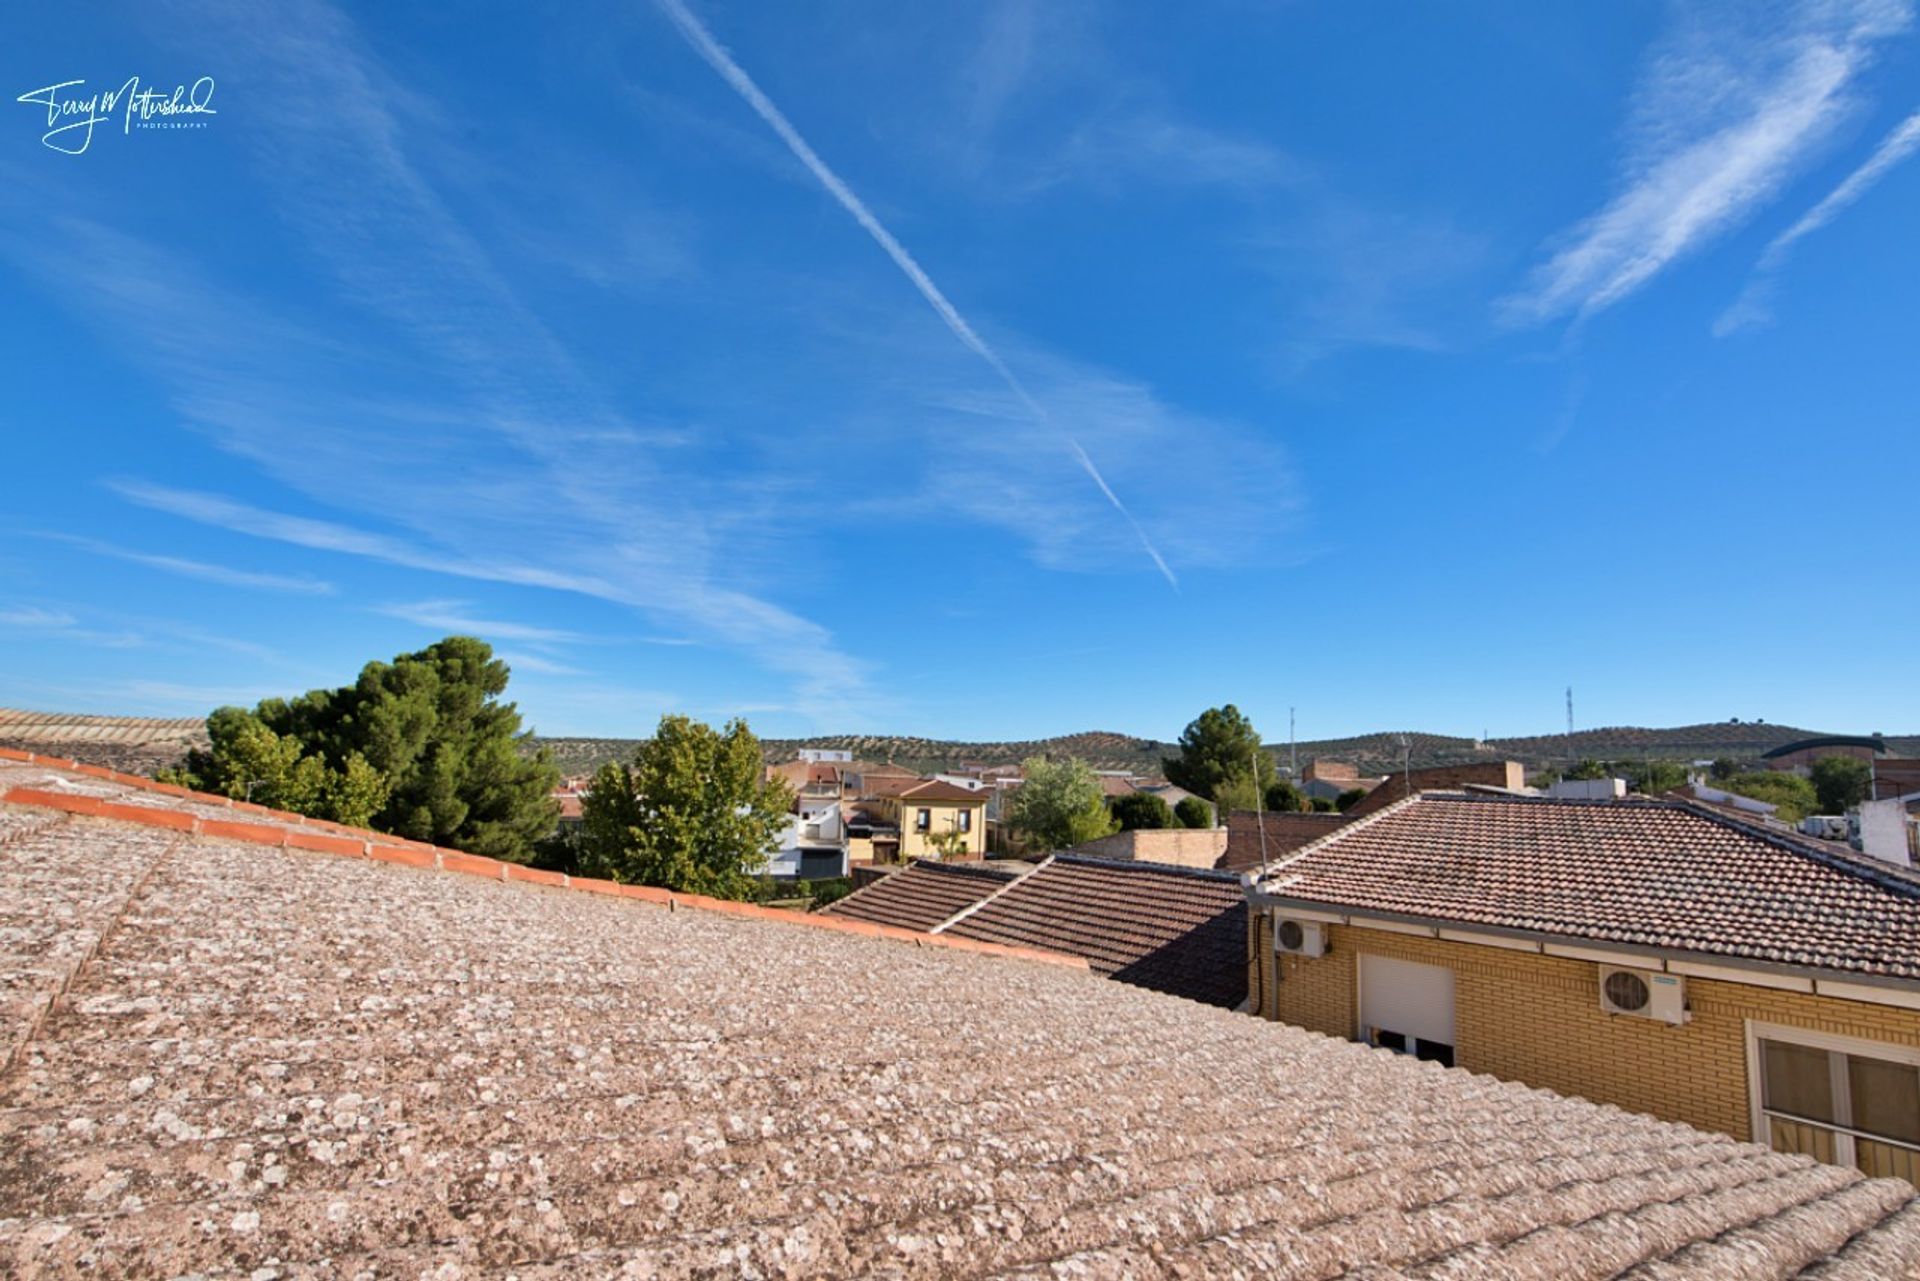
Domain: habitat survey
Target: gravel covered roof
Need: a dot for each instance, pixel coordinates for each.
(229, 1059)
(1661, 874)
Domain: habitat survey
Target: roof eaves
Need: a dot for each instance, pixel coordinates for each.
(1361, 916)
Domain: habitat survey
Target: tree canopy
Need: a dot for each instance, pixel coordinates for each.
(1218, 748)
(422, 747)
(1140, 810)
(1349, 798)
(1060, 805)
(1793, 795)
(695, 812)
(249, 762)
(1284, 798)
(1193, 812)
(1841, 782)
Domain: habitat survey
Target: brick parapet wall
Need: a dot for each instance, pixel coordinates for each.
(286, 830)
(1528, 1017)
(1181, 846)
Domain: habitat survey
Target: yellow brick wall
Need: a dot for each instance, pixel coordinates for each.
(1526, 1017)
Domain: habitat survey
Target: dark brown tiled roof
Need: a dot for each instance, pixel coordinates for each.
(1285, 834)
(925, 893)
(1658, 874)
(1172, 929)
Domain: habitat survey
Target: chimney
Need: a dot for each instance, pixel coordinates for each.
(1885, 832)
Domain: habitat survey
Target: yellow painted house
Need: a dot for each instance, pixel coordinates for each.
(1663, 956)
(933, 818)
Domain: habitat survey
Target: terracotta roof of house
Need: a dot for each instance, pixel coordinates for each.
(925, 892)
(1112, 785)
(936, 789)
(873, 787)
(221, 1056)
(1177, 930)
(1664, 875)
(1286, 832)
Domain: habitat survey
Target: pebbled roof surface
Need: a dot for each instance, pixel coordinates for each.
(925, 893)
(262, 1061)
(1176, 930)
(1663, 874)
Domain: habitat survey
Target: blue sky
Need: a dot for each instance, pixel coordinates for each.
(988, 370)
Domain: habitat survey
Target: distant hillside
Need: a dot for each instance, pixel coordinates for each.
(1101, 750)
(1371, 753)
(143, 744)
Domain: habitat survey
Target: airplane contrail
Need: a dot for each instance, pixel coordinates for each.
(721, 61)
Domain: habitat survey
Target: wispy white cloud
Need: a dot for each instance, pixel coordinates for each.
(34, 616)
(722, 62)
(297, 584)
(523, 662)
(987, 460)
(1733, 105)
(451, 616)
(1751, 307)
(828, 681)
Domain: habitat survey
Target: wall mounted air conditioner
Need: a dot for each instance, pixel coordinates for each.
(1300, 938)
(1644, 994)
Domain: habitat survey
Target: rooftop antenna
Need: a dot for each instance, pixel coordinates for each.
(1259, 811)
(1293, 748)
(1406, 766)
(1570, 725)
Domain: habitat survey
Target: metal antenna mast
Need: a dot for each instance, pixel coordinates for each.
(1259, 811)
(1569, 724)
(1293, 748)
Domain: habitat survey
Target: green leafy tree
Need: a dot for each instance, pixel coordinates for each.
(948, 844)
(1321, 805)
(1059, 805)
(1793, 795)
(1218, 747)
(247, 761)
(1193, 812)
(1651, 778)
(1349, 798)
(1141, 810)
(1588, 769)
(1284, 798)
(439, 754)
(694, 813)
(1721, 770)
(1840, 782)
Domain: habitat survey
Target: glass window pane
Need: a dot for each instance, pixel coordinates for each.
(1886, 1098)
(1434, 1052)
(1798, 1079)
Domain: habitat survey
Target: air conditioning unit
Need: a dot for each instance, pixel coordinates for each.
(1301, 938)
(1644, 994)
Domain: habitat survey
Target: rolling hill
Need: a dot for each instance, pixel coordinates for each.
(142, 744)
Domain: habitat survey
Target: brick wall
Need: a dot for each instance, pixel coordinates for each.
(1440, 778)
(1286, 832)
(1526, 1017)
(1184, 846)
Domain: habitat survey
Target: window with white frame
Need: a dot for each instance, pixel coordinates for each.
(922, 820)
(966, 821)
(1836, 1098)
